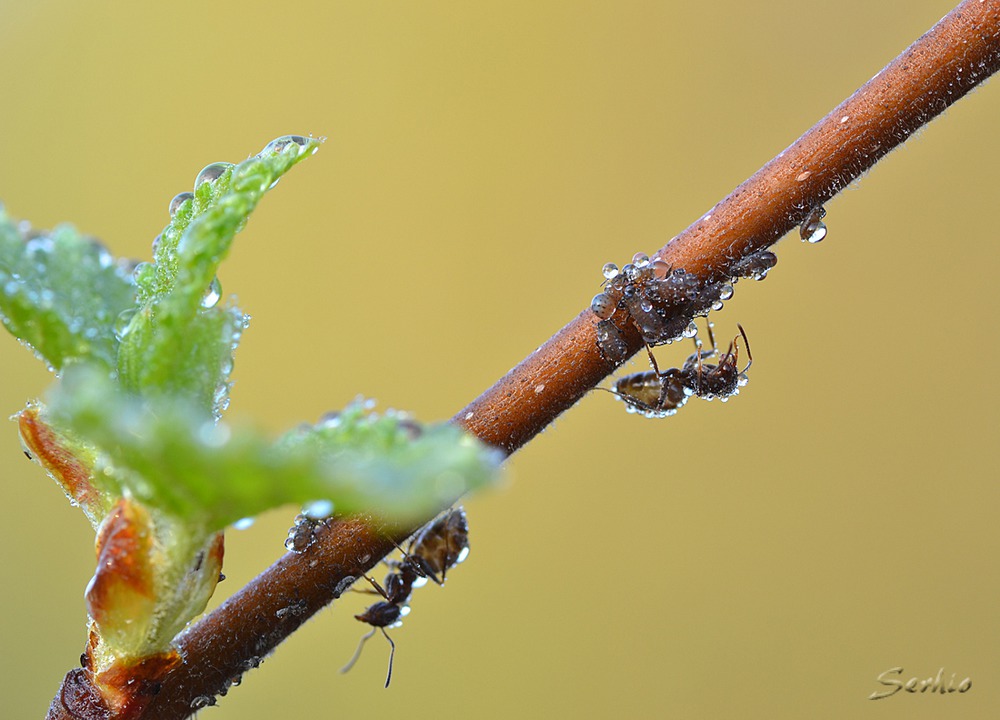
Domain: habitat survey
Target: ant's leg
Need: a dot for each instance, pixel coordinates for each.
(711, 337)
(392, 654)
(357, 653)
(652, 360)
(377, 587)
(746, 344)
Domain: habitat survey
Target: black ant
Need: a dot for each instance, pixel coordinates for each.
(435, 549)
(661, 394)
(724, 379)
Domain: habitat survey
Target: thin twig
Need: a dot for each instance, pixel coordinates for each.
(955, 56)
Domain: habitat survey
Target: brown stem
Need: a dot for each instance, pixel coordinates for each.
(956, 55)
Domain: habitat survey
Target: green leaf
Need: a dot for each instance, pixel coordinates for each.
(60, 294)
(171, 455)
(179, 342)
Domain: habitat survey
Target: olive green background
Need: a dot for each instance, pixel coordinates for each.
(765, 558)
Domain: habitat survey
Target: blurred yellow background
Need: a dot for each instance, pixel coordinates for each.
(765, 558)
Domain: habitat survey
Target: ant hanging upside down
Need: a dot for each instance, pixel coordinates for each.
(435, 549)
(660, 394)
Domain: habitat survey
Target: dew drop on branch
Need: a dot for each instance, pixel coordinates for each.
(813, 229)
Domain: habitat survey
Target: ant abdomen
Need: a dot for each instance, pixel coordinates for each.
(651, 393)
(656, 394)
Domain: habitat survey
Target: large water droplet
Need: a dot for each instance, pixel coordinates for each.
(281, 144)
(640, 259)
(812, 229)
(212, 295)
(691, 330)
(726, 292)
(179, 199)
(602, 306)
(817, 233)
(213, 435)
(211, 172)
(122, 323)
(318, 509)
(143, 274)
(610, 270)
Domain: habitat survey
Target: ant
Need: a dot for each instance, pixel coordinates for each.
(435, 549)
(661, 394)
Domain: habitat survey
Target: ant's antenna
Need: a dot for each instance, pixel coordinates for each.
(392, 654)
(357, 653)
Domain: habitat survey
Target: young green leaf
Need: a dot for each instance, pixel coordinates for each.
(172, 455)
(179, 342)
(60, 293)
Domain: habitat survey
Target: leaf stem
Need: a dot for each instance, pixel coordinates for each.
(956, 55)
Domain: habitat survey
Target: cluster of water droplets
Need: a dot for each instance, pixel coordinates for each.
(302, 533)
(755, 266)
(660, 300)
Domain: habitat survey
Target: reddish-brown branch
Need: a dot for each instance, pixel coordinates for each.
(961, 51)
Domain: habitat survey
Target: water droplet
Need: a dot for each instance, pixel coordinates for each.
(122, 323)
(243, 523)
(640, 259)
(629, 271)
(144, 274)
(318, 509)
(646, 305)
(609, 271)
(717, 305)
(212, 295)
(602, 306)
(302, 534)
(462, 555)
(817, 234)
(202, 701)
(211, 172)
(179, 199)
(691, 330)
(214, 435)
(660, 269)
(281, 144)
(726, 292)
(812, 229)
